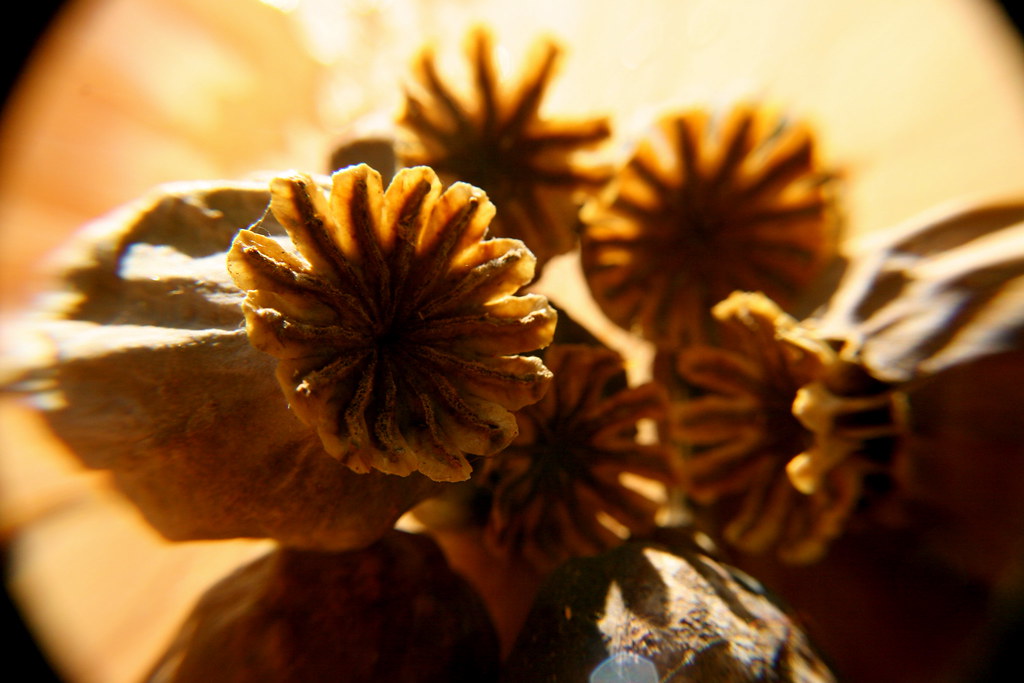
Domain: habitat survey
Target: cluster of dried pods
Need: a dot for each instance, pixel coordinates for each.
(385, 357)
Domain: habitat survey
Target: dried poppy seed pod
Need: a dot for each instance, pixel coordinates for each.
(558, 489)
(703, 208)
(915, 407)
(936, 307)
(393, 611)
(497, 140)
(693, 617)
(939, 291)
(394, 321)
(151, 376)
(780, 433)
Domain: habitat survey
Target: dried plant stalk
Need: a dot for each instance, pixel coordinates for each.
(395, 322)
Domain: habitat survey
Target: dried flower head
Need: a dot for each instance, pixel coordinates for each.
(140, 362)
(395, 323)
(497, 140)
(781, 427)
(557, 489)
(705, 207)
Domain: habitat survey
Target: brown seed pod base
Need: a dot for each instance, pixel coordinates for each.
(694, 618)
(391, 612)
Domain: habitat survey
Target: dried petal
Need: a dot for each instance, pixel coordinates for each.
(704, 208)
(395, 323)
(497, 140)
(563, 474)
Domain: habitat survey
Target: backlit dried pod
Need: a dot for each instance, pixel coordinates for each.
(393, 320)
(558, 490)
(704, 207)
(393, 611)
(942, 290)
(496, 139)
(936, 306)
(141, 365)
(781, 432)
(689, 616)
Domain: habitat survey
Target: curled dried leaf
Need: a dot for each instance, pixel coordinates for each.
(497, 140)
(558, 489)
(393, 320)
(780, 430)
(705, 207)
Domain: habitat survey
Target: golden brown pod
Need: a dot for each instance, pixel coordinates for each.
(393, 611)
(496, 139)
(148, 373)
(936, 306)
(393, 320)
(944, 289)
(913, 394)
(558, 485)
(705, 207)
(690, 616)
(780, 431)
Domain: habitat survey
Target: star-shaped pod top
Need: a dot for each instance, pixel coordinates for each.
(704, 207)
(786, 438)
(394, 323)
(497, 140)
(558, 489)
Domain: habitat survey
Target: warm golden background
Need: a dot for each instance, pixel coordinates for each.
(918, 102)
